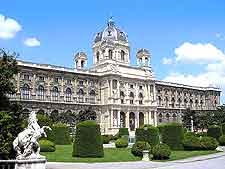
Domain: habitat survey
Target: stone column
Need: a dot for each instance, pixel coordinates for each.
(118, 119)
(18, 83)
(111, 118)
(136, 119)
(155, 118)
(127, 120)
(34, 85)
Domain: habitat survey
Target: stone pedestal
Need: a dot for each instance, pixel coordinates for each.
(31, 164)
(145, 155)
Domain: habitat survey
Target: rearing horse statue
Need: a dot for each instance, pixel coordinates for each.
(26, 143)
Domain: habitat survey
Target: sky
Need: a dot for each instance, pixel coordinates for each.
(186, 38)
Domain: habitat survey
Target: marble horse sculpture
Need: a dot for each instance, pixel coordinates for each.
(26, 143)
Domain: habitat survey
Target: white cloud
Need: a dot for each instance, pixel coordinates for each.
(204, 79)
(32, 42)
(198, 53)
(167, 61)
(8, 27)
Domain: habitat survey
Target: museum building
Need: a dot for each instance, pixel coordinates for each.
(121, 95)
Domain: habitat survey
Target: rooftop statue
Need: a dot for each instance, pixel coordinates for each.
(26, 143)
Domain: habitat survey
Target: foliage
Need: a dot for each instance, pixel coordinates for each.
(191, 142)
(87, 114)
(106, 138)
(161, 152)
(208, 143)
(149, 134)
(60, 134)
(11, 124)
(88, 140)
(138, 148)
(223, 128)
(116, 136)
(214, 131)
(121, 143)
(47, 146)
(123, 132)
(201, 134)
(186, 119)
(172, 134)
(222, 140)
(8, 68)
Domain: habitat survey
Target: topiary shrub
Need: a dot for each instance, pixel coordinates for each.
(121, 143)
(172, 134)
(222, 140)
(208, 143)
(88, 140)
(161, 152)
(138, 148)
(47, 146)
(106, 138)
(191, 142)
(188, 134)
(123, 132)
(60, 134)
(214, 131)
(148, 134)
(223, 128)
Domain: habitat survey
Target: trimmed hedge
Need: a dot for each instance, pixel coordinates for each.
(88, 140)
(201, 134)
(214, 131)
(222, 140)
(123, 132)
(148, 134)
(161, 152)
(60, 134)
(172, 134)
(47, 146)
(121, 143)
(223, 128)
(191, 142)
(208, 143)
(138, 148)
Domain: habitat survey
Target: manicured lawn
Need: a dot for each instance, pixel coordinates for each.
(63, 153)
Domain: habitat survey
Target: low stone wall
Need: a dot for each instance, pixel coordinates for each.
(23, 164)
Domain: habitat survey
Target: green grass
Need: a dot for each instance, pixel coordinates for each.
(63, 153)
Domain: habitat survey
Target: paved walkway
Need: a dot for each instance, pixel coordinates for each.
(214, 161)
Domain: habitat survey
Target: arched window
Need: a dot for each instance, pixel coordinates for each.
(110, 53)
(92, 93)
(80, 96)
(55, 93)
(131, 98)
(160, 117)
(166, 101)
(68, 94)
(41, 92)
(191, 103)
(167, 117)
(92, 96)
(146, 60)
(122, 55)
(172, 102)
(174, 117)
(25, 91)
(97, 56)
(122, 95)
(179, 102)
(159, 101)
(140, 96)
(82, 63)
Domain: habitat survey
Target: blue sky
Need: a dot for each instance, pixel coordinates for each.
(186, 38)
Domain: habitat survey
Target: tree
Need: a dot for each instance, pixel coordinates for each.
(187, 116)
(11, 120)
(8, 68)
(219, 115)
(87, 114)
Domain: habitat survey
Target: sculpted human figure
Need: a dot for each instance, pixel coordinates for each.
(26, 144)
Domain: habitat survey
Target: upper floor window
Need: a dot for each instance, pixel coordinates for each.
(92, 93)
(55, 93)
(97, 56)
(56, 79)
(69, 82)
(68, 94)
(151, 88)
(26, 77)
(41, 92)
(131, 86)
(114, 84)
(82, 63)
(140, 87)
(122, 55)
(110, 53)
(122, 94)
(81, 83)
(25, 91)
(41, 78)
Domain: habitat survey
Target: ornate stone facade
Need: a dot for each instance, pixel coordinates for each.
(122, 95)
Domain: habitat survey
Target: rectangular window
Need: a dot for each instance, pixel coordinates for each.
(140, 102)
(69, 81)
(56, 80)
(114, 84)
(122, 101)
(140, 87)
(131, 86)
(41, 78)
(26, 77)
(81, 83)
(131, 101)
